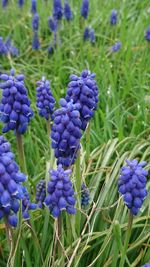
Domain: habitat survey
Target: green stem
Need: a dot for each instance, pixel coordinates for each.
(87, 143)
(59, 247)
(10, 262)
(78, 188)
(21, 152)
(127, 238)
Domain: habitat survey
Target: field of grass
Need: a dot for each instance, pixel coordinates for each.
(119, 131)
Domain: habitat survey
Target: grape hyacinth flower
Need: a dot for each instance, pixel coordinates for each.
(116, 47)
(15, 111)
(61, 195)
(26, 204)
(85, 195)
(52, 23)
(20, 3)
(146, 265)
(147, 34)
(84, 91)
(92, 36)
(35, 41)
(113, 17)
(86, 35)
(3, 48)
(66, 133)
(41, 193)
(85, 8)
(11, 189)
(132, 184)
(33, 6)
(4, 3)
(35, 22)
(45, 100)
(12, 50)
(50, 49)
(57, 9)
(67, 11)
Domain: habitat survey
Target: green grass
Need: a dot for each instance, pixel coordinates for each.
(119, 130)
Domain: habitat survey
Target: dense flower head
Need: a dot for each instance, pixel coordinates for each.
(85, 195)
(12, 50)
(86, 34)
(57, 9)
(15, 111)
(50, 49)
(67, 11)
(85, 8)
(33, 6)
(4, 3)
(20, 3)
(66, 132)
(45, 100)
(11, 189)
(41, 193)
(61, 194)
(92, 36)
(116, 47)
(146, 265)
(113, 17)
(147, 34)
(84, 90)
(27, 205)
(35, 22)
(132, 184)
(3, 48)
(35, 42)
(52, 23)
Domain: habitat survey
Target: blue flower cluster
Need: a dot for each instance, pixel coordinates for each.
(66, 133)
(146, 265)
(26, 204)
(147, 34)
(20, 3)
(85, 195)
(116, 47)
(84, 91)
(52, 23)
(7, 48)
(4, 3)
(132, 184)
(41, 193)
(85, 8)
(67, 11)
(89, 34)
(11, 189)
(45, 99)
(57, 9)
(113, 17)
(15, 109)
(61, 194)
(35, 27)
(33, 6)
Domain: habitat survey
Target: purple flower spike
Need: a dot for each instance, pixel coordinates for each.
(57, 9)
(146, 265)
(35, 42)
(66, 133)
(113, 17)
(85, 195)
(132, 185)
(45, 99)
(147, 34)
(12, 192)
(33, 6)
(85, 8)
(67, 11)
(84, 91)
(20, 3)
(4, 3)
(15, 111)
(52, 24)
(116, 47)
(41, 193)
(61, 195)
(35, 22)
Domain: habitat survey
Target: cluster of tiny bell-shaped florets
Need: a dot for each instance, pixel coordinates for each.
(85, 195)
(146, 265)
(7, 48)
(67, 11)
(84, 91)
(61, 195)
(89, 34)
(66, 132)
(4, 3)
(27, 205)
(11, 188)
(33, 6)
(45, 100)
(114, 17)
(15, 111)
(20, 3)
(147, 34)
(57, 9)
(85, 8)
(41, 193)
(132, 184)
